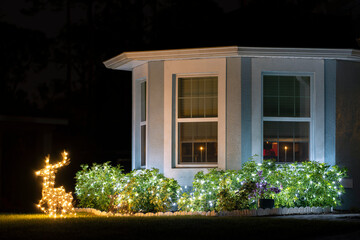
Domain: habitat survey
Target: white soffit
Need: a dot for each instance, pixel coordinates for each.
(129, 60)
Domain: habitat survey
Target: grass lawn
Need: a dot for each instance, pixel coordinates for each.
(84, 226)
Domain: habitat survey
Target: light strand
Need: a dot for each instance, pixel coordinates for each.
(55, 201)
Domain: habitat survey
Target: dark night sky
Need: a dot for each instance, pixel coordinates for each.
(52, 53)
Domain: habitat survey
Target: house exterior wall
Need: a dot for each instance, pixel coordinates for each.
(245, 109)
(155, 119)
(330, 111)
(233, 113)
(348, 128)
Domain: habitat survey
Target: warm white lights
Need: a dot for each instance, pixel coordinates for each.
(54, 201)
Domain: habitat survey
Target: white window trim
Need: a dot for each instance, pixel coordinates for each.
(143, 123)
(178, 120)
(290, 119)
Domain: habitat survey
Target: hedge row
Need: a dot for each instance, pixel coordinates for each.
(307, 184)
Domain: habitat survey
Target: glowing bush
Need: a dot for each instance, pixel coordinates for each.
(310, 184)
(206, 189)
(107, 188)
(291, 185)
(98, 186)
(148, 190)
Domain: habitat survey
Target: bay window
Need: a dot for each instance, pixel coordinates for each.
(286, 117)
(197, 120)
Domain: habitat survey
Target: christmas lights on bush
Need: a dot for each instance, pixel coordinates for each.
(55, 201)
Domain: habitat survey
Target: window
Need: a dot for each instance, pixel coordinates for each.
(143, 124)
(197, 122)
(286, 118)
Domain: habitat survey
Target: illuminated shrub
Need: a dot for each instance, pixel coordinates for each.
(310, 184)
(98, 186)
(206, 189)
(291, 185)
(148, 191)
(107, 188)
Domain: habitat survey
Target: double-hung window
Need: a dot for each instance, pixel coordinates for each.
(286, 117)
(197, 120)
(143, 124)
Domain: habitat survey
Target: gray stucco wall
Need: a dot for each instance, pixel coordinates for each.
(245, 109)
(330, 111)
(155, 138)
(233, 113)
(348, 126)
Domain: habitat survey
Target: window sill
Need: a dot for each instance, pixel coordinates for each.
(196, 166)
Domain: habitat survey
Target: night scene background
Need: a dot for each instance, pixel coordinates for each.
(56, 94)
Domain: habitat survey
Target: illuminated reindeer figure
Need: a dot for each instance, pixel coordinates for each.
(54, 200)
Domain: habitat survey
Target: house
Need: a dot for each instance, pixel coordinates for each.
(201, 108)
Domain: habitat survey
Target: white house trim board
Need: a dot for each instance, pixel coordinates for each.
(129, 60)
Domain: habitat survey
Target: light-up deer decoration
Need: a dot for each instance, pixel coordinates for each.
(54, 201)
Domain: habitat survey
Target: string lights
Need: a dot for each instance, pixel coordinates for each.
(54, 201)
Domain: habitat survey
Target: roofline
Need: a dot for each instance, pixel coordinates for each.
(129, 60)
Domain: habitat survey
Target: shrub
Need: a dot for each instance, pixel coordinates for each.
(291, 185)
(148, 191)
(206, 190)
(310, 184)
(234, 200)
(98, 186)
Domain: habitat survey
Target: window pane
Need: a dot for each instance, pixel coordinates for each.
(302, 106)
(200, 152)
(211, 152)
(286, 141)
(197, 97)
(271, 86)
(286, 86)
(286, 152)
(184, 87)
(197, 88)
(286, 106)
(302, 86)
(184, 108)
(301, 141)
(211, 107)
(186, 152)
(143, 101)
(286, 96)
(198, 142)
(271, 106)
(143, 145)
(210, 87)
(197, 107)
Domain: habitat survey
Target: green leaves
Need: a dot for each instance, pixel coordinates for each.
(310, 184)
(98, 185)
(106, 188)
(302, 184)
(148, 191)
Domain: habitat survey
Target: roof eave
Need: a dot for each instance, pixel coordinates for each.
(129, 60)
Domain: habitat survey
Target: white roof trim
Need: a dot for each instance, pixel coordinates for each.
(129, 60)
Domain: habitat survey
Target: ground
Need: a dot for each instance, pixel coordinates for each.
(84, 226)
